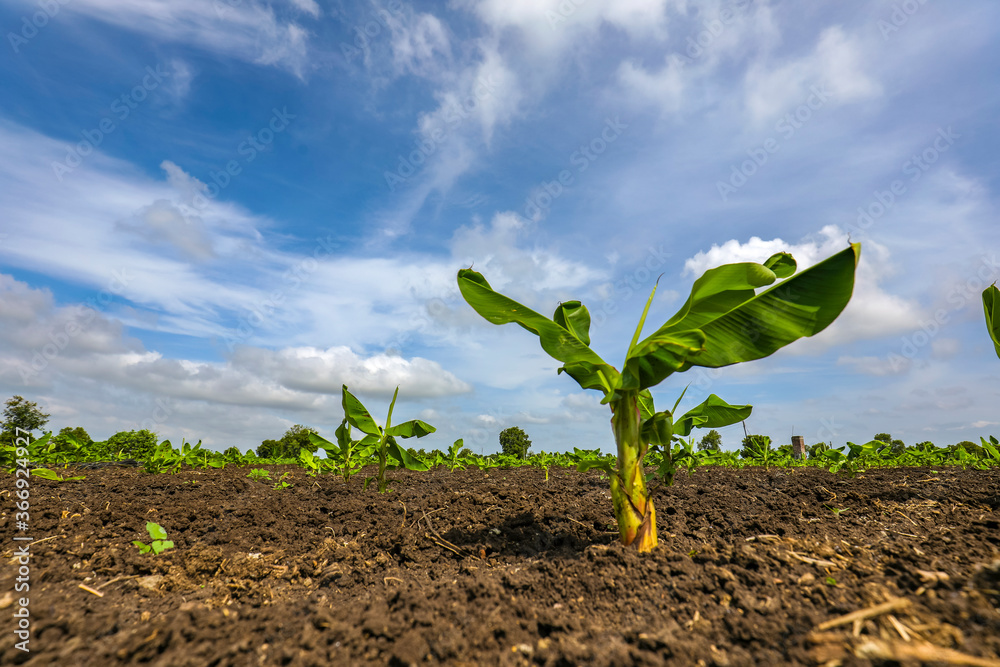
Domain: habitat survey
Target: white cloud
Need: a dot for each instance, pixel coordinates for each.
(309, 369)
(308, 6)
(419, 44)
(665, 88)
(685, 81)
(838, 66)
(535, 275)
(44, 343)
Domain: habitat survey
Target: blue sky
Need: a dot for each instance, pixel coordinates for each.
(217, 212)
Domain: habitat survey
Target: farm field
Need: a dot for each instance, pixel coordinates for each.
(503, 567)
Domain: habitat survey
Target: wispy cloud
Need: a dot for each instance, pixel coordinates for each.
(248, 31)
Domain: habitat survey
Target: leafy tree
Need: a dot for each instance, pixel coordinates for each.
(711, 441)
(270, 449)
(295, 439)
(22, 414)
(62, 446)
(515, 442)
(78, 434)
(138, 445)
(883, 437)
(970, 447)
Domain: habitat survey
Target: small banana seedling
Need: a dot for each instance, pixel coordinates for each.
(346, 455)
(455, 461)
(384, 439)
(723, 322)
(159, 542)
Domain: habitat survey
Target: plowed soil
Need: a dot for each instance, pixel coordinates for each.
(754, 567)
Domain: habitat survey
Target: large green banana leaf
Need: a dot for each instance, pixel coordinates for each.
(410, 429)
(358, 415)
(712, 413)
(756, 327)
(991, 304)
(400, 454)
(566, 345)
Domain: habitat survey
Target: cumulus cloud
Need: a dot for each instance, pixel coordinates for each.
(872, 312)
(44, 342)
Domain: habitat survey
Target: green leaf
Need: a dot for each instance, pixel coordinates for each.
(404, 457)
(575, 318)
(323, 443)
(143, 547)
(392, 405)
(801, 306)
(646, 408)
(456, 448)
(642, 319)
(159, 546)
(990, 448)
(658, 356)
(712, 413)
(658, 429)
(717, 292)
(991, 305)
(782, 264)
(583, 465)
(590, 376)
(45, 473)
(410, 429)
(582, 363)
(156, 531)
(358, 415)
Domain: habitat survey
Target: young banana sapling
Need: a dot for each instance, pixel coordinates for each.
(383, 440)
(724, 321)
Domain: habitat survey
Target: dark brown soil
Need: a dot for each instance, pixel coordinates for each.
(505, 568)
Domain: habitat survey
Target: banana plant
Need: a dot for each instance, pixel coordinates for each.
(724, 321)
(991, 304)
(347, 455)
(455, 460)
(384, 439)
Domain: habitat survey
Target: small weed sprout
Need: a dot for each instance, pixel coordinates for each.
(259, 475)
